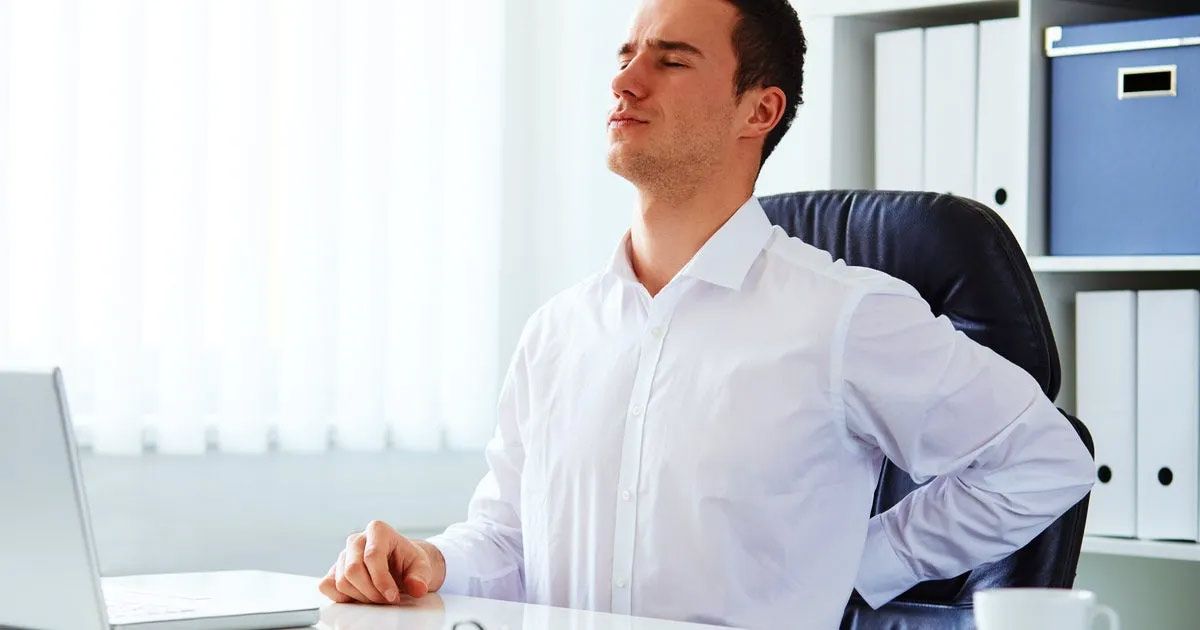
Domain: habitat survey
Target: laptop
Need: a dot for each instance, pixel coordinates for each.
(49, 573)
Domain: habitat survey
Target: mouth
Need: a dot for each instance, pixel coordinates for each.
(623, 121)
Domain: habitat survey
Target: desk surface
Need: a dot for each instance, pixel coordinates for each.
(440, 612)
(432, 612)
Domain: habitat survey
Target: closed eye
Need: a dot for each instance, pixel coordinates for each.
(670, 64)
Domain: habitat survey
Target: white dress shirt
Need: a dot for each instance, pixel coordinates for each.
(710, 454)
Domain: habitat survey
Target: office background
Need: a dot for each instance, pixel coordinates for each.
(224, 186)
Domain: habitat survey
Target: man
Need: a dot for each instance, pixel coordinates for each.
(695, 432)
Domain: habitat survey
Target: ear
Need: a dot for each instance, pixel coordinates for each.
(767, 105)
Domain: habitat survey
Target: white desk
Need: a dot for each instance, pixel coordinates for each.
(440, 612)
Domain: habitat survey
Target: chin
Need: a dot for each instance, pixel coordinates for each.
(614, 165)
(619, 158)
(635, 166)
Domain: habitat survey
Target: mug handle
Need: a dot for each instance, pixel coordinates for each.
(1114, 622)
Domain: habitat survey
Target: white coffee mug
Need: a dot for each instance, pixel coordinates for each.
(1040, 608)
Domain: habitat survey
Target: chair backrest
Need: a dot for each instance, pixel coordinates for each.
(961, 257)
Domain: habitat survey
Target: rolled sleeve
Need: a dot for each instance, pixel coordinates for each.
(458, 571)
(1003, 461)
(882, 574)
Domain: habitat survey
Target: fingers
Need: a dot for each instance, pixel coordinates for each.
(343, 583)
(379, 543)
(368, 568)
(328, 587)
(356, 569)
(412, 562)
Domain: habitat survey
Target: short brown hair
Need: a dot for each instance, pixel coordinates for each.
(769, 45)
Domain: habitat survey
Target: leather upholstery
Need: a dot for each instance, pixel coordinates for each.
(961, 257)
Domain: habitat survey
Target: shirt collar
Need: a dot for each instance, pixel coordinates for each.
(724, 259)
(620, 265)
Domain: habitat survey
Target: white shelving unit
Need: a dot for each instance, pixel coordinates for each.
(868, 7)
(1142, 548)
(1089, 264)
(836, 125)
(833, 147)
(833, 143)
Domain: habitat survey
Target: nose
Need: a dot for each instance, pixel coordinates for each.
(629, 83)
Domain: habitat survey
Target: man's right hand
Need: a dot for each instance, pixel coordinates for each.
(378, 564)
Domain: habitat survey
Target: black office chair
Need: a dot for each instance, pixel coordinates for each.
(959, 255)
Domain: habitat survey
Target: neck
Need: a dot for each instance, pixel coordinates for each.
(671, 226)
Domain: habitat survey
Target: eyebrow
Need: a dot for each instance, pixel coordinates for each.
(662, 44)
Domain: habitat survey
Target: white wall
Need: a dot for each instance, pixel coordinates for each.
(283, 512)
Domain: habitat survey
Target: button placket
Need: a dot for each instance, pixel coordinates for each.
(625, 521)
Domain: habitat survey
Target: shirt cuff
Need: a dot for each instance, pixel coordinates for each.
(882, 575)
(458, 577)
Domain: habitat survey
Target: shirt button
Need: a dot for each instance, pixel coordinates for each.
(621, 583)
(627, 495)
(657, 332)
(637, 410)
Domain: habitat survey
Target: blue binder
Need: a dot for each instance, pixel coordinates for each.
(1125, 137)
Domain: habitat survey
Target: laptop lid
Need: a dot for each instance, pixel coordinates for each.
(49, 573)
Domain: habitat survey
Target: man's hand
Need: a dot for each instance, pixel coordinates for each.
(378, 563)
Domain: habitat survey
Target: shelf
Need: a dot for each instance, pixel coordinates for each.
(1141, 548)
(859, 7)
(1113, 263)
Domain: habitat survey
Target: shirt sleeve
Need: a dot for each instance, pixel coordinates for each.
(1005, 462)
(484, 554)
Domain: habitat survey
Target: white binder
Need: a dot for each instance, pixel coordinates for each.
(950, 71)
(899, 109)
(1106, 398)
(999, 165)
(1168, 412)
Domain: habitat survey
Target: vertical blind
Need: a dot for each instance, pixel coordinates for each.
(251, 223)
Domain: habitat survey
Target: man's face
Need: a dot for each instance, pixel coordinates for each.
(675, 91)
